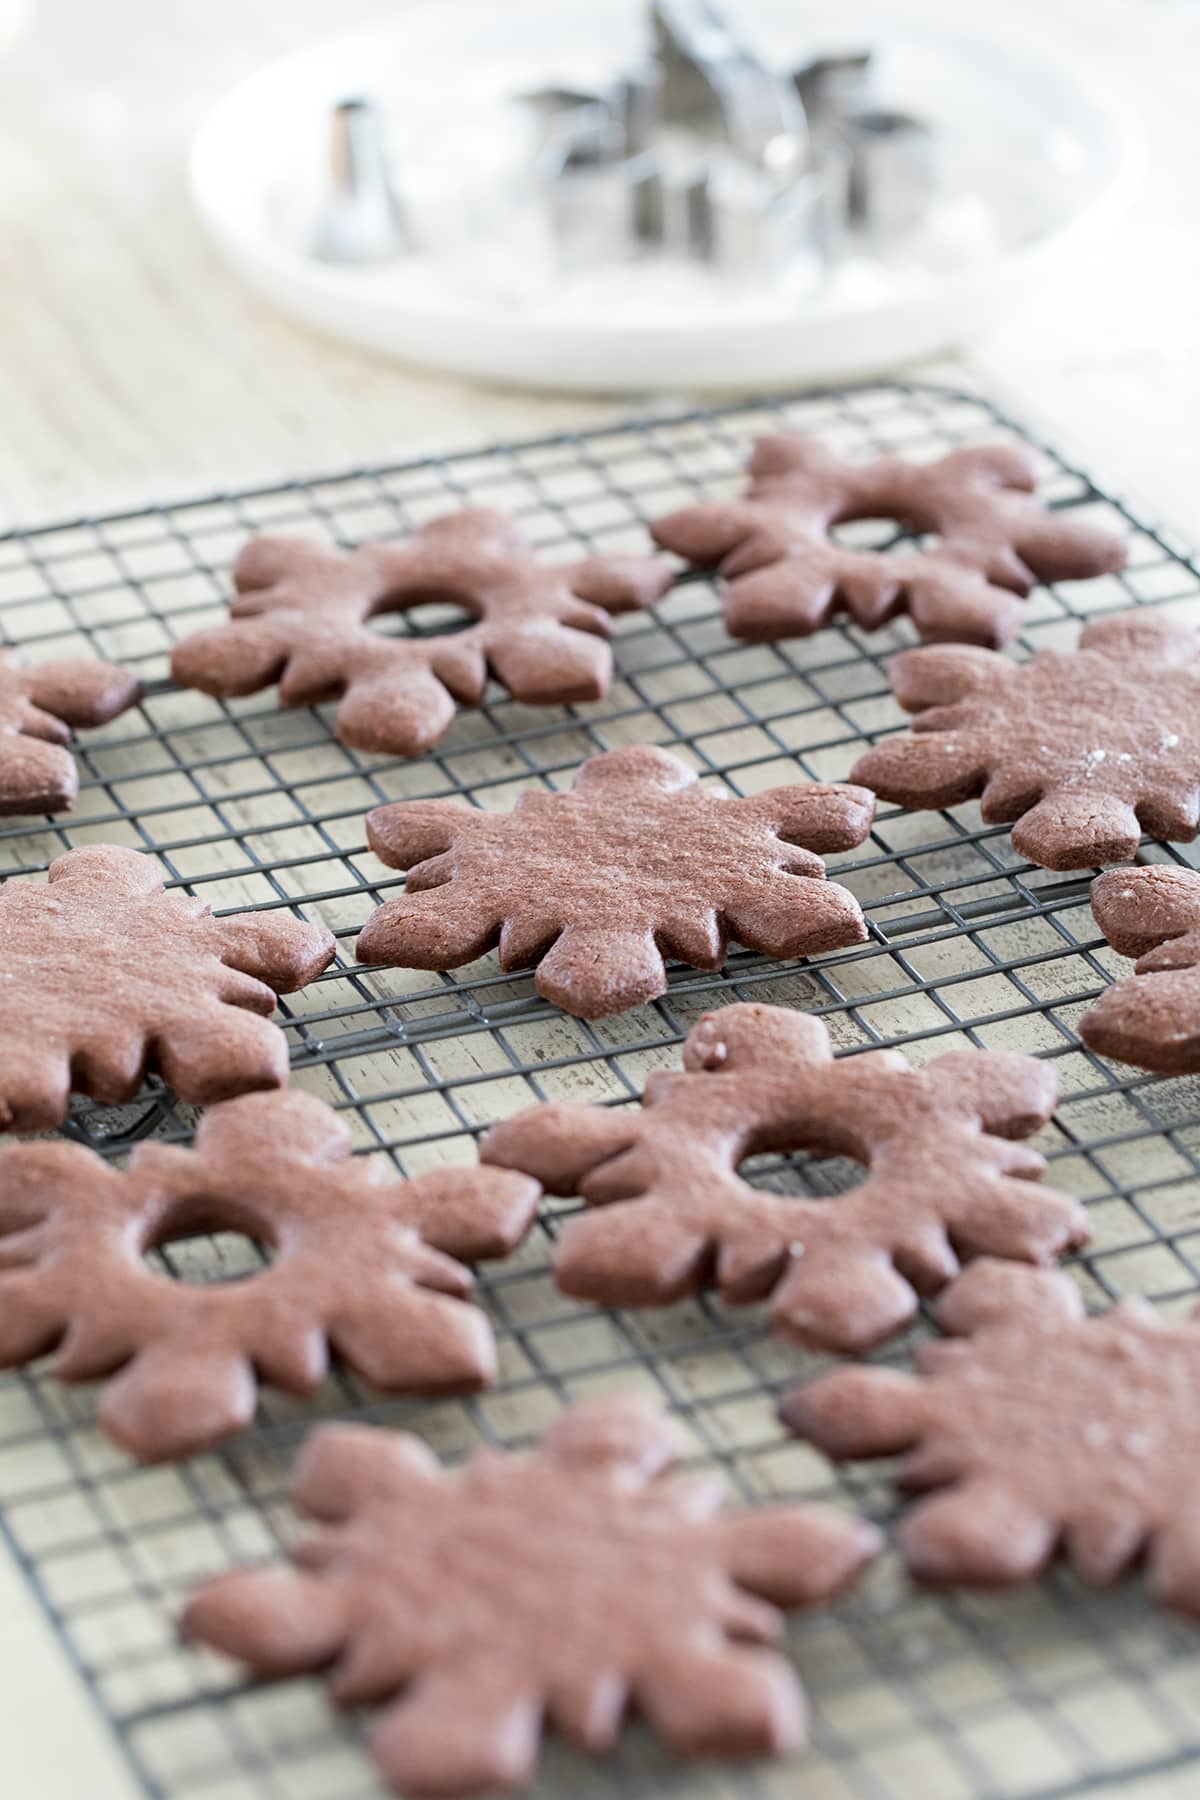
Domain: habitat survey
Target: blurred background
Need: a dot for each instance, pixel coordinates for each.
(140, 357)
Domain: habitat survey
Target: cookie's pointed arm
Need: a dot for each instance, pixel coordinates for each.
(819, 816)
(940, 674)
(409, 831)
(796, 1555)
(704, 535)
(931, 770)
(1003, 1293)
(1138, 909)
(82, 690)
(109, 866)
(278, 1621)
(1057, 547)
(1009, 1093)
(343, 1468)
(276, 947)
(561, 1142)
(621, 583)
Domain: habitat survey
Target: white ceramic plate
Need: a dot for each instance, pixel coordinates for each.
(1036, 153)
(15, 16)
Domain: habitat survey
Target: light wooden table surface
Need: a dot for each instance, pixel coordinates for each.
(132, 365)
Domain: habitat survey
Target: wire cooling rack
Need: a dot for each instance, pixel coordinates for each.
(1048, 1693)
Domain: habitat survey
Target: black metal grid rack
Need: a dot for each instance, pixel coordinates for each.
(1053, 1692)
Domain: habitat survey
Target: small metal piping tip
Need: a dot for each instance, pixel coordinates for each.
(359, 219)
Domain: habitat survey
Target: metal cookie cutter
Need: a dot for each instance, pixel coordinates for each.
(712, 84)
(833, 88)
(889, 159)
(703, 152)
(893, 172)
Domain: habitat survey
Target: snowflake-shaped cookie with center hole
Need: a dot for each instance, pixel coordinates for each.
(105, 976)
(522, 1591)
(596, 884)
(1152, 1018)
(1043, 1430)
(38, 708)
(673, 1213)
(361, 1266)
(300, 620)
(1079, 750)
(785, 576)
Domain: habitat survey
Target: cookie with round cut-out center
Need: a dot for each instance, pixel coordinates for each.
(785, 575)
(672, 1213)
(301, 615)
(360, 1266)
(484, 1604)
